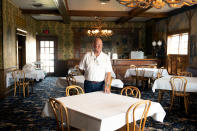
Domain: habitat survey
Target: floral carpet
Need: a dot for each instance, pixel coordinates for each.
(24, 114)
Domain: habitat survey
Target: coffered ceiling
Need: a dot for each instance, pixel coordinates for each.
(87, 10)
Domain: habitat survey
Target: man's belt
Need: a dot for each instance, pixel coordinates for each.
(94, 81)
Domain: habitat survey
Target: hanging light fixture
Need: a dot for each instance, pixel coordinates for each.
(97, 30)
(157, 3)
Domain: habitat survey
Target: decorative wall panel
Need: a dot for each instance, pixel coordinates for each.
(67, 44)
(1, 37)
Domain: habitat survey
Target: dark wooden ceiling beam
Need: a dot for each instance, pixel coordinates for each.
(30, 11)
(114, 14)
(154, 15)
(63, 9)
(89, 13)
(133, 13)
(98, 13)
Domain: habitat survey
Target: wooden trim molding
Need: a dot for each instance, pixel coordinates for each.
(133, 13)
(30, 11)
(178, 32)
(63, 9)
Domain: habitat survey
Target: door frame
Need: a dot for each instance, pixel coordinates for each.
(47, 38)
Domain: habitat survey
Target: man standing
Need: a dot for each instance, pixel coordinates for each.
(97, 68)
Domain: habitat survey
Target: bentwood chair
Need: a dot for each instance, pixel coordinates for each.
(178, 85)
(74, 90)
(134, 77)
(189, 74)
(61, 113)
(131, 91)
(160, 71)
(133, 108)
(20, 81)
(71, 80)
(145, 106)
(140, 77)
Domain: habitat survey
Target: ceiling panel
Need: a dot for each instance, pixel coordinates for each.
(79, 18)
(96, 5)
(166, 8)
(28, 4)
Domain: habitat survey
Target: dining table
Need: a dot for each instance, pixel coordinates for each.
(149, 72)
(163, 83)
(61, 82)
(32, 75)
(99, 111)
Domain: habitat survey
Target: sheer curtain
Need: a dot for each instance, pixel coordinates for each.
(178, 44)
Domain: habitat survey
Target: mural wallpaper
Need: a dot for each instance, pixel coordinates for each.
(1, 36)
(66, 44)
(9, 47)
(64, 34)
(177, 23)
(121, 42)
(11, 16)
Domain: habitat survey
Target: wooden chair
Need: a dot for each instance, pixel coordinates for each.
(133, 108)
(20, 81)
(140, 77)
(131, 91)
(134, 77)
(60, 111)
(189, 74)
(71, 80)
(76, 90)
(178, 85)
(159, 73)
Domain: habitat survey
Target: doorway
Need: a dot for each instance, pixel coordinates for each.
(21, 50)
(46, 53)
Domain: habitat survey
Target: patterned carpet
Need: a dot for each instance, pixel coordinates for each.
(24, 114)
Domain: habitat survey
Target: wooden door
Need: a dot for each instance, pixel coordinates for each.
(47, 53)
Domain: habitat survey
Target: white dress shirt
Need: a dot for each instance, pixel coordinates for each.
(95, 67)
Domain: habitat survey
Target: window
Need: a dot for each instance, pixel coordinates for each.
(178, 44)
(47, 55)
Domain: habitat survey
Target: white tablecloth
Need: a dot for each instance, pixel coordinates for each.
(61, 82)
(164, 84)
(98, 111)
(149, 72)
(36, 74)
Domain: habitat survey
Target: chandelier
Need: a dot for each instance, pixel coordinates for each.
(97, 30)
(157, 3)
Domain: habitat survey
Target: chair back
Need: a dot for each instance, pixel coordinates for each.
(145, 104)
(131, 91)
(178, 85)
(71, 80)
(61, 114)
(74, 90)
(189, 74)
(160, 72)
(134, 67)
(18, 76)
(140, 73)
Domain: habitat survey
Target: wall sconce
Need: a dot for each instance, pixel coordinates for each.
(154, 43)
(159, 43)
(156, 47)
